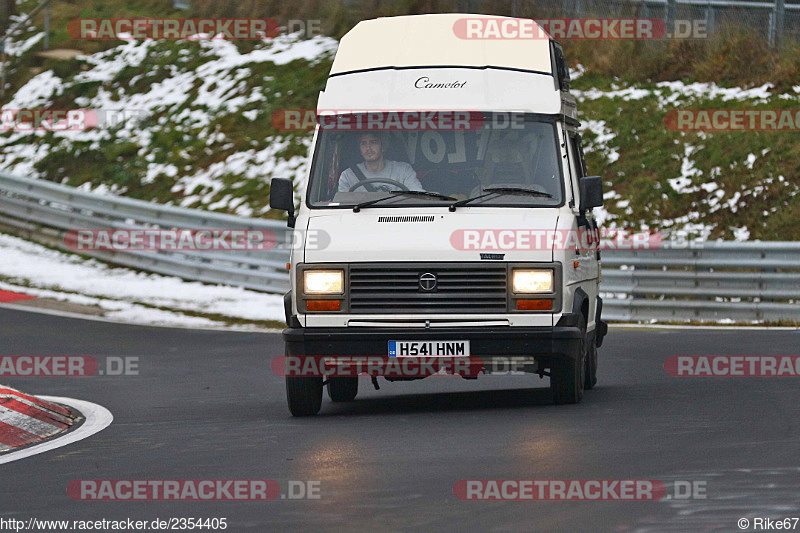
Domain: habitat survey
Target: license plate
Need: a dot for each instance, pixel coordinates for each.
(428, 348)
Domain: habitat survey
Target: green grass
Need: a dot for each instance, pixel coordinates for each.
(120, 162)
(650, 155)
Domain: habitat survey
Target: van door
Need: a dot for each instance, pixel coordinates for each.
(587, 270)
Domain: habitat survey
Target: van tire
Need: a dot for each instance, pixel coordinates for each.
(568, 374)
(591, 366)
(342, 389)
(304, 395)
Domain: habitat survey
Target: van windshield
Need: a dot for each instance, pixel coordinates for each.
(352, 167)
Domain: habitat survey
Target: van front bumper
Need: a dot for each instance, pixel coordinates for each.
(547, 342)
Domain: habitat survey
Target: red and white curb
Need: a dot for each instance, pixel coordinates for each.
(8, 297)
(26, 419)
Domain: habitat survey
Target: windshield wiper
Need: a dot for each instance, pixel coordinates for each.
(358, 207)
(465, 201)
(500, 190)
(511, 190)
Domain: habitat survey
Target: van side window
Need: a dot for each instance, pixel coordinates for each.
(575, 168)
(576, 154)
(579, 143)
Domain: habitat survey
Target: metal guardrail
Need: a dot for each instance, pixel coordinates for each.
(710, 281)
(44, 211)
(713, 281)
(776, 20)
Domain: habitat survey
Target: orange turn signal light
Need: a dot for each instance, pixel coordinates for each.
(534, 305)
(323, 305)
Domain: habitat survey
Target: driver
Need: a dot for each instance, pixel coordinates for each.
(373, 146)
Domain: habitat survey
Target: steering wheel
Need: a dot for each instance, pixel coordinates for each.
(378, 180)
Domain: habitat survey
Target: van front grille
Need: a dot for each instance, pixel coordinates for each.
(396, 288)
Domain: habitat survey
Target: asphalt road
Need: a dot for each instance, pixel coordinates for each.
(205, 405)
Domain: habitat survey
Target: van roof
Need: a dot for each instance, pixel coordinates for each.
(432, 40)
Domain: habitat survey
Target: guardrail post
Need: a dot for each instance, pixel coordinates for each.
(710, 18)
(47, 26)
(780, 17)
(2, 67)
(670, 16)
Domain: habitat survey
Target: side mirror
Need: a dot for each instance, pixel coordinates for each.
(281, 196)
(591, 189)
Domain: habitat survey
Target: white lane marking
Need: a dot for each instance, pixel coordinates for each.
(27, 423)
(720, 327)
(97, 419)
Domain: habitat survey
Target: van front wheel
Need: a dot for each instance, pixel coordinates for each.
(568, 374)
(591, 366)
(304, 395)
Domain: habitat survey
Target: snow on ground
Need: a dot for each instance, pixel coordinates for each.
(628, 93)
(192, 97)
(249, 164)
(23, 38)
(741, 234)
(709, 91)
(124, 293)
(216, 78)
(17, 48)
(38, 91)
(674, 93)
(685, 182)
(576, 72)
(604, 135)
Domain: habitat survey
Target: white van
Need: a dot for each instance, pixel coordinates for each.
(452, 233)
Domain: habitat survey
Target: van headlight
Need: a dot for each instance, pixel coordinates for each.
(323, 282)
(532, 281)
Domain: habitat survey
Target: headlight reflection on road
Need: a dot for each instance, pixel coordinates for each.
(344, 466)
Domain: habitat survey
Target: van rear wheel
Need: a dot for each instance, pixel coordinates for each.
(568, 374)
(342, 389)
(304, 395)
